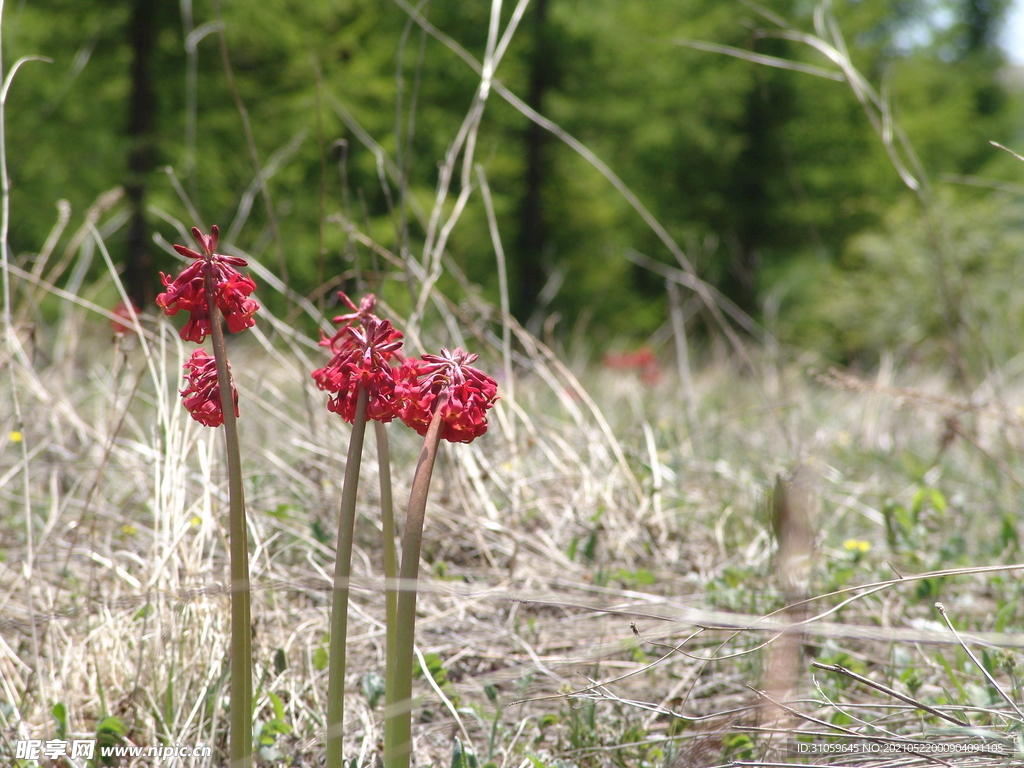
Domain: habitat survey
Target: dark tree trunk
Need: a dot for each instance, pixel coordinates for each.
(982, 19)
(752, 212)
(756, 226)
(532, 227)
(141, 113)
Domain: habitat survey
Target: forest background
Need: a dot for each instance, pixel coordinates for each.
(774, 180)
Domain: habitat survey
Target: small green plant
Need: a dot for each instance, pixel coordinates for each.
(373, 688)
(60, 717)
(463, 755)
(436, 669)
(905, 526)
(267, 731)
(110, 732)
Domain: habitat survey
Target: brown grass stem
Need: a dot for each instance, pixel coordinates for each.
(977, 662)
(841, 670)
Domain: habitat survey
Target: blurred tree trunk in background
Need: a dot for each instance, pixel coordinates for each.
(533, 231)
(760, 179)
(141, 113)
(982, 20)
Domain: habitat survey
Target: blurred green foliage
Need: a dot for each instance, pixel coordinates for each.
(780, 172)
(933, 288)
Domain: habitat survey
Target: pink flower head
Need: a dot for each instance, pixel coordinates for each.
(359, 316)
(123, 324)
(643, 360)
(470, 393)
(187, 291)
(202, 394)
(362, 360)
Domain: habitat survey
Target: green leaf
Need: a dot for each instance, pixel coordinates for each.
(320, 533)
(1005, 614)
(373, 688)
(110, 732)
(60, 714)
(548, 720)
(281, 511)
(463, 756)
(738, 746)
(841, 718)
(111, 725)
(320, 659)
(280, 661)
(275, 702)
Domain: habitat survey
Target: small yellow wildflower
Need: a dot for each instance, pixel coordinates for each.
(15, 436)
(857, 546)
(196, 520)
(129, 530)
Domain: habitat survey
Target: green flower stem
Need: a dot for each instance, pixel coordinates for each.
(398, 685)
(387, 524)
(342, 575)
(241, 624)
(387, 514)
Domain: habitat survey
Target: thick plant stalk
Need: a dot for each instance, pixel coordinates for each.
(387, 514)
(387, 524)
(342, 576)
(241, 624)
(398, 684)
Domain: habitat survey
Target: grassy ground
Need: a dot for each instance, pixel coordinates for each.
(606, 584)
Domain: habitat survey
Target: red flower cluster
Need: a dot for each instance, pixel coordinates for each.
(362, 359)
(363, 347)
(470, 394)
(187, 291)
(202, 394)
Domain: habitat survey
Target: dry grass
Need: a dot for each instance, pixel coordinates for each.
(594, 568)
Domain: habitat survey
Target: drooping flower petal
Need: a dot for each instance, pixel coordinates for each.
(187, 291)
(359, 317)
(470, 394)
(201, 395)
